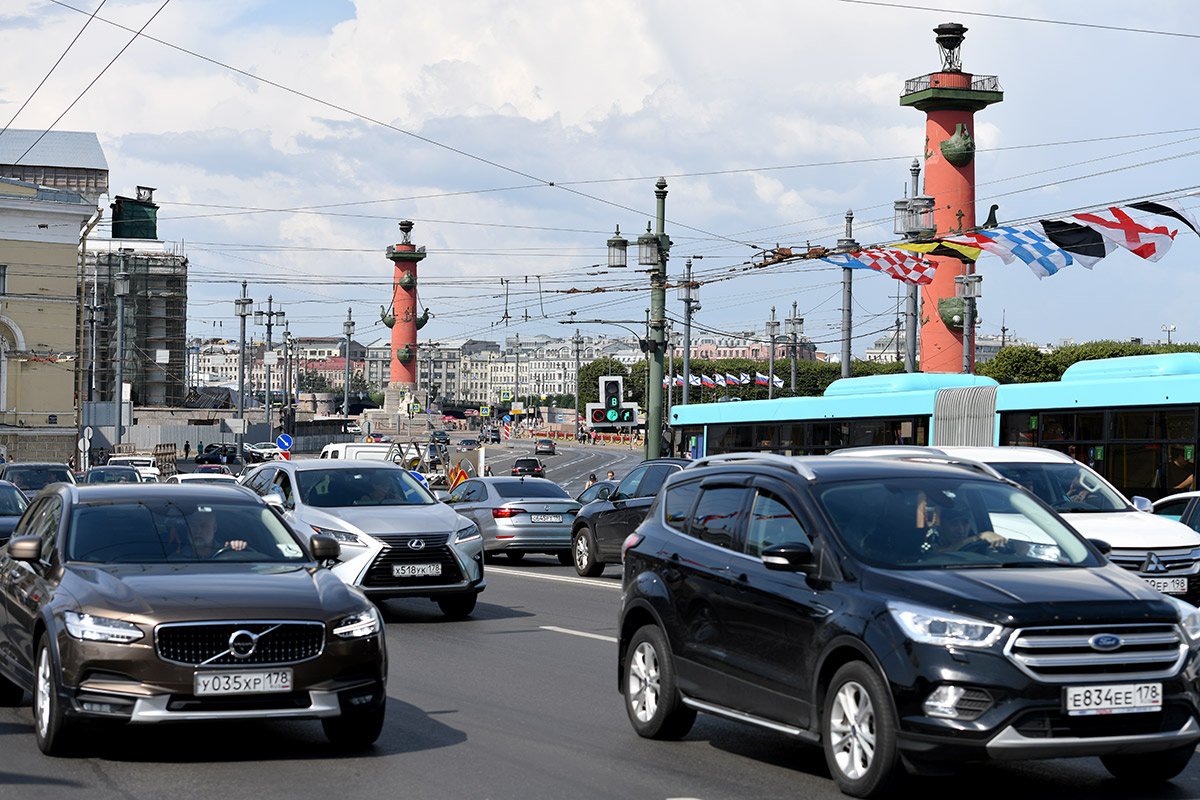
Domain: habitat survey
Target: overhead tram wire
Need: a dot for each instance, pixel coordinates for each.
(120, 52)
(45, 78)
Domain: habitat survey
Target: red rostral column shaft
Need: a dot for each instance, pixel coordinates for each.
(949, 99)
(953, 191)
(404, 256)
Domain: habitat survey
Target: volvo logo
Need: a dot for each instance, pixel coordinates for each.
(1105, 642)
(416, 544)
(1153, 564)
(242, 643)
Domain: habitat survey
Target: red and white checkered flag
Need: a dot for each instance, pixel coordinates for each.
(900, 264)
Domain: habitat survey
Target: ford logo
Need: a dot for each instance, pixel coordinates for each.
(1105, 642)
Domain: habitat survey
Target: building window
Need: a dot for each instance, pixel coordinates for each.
(3, 279)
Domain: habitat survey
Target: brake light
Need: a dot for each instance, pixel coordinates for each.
(505, 513)
(632, 540)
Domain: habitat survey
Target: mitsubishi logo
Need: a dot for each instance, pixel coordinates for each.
(416, 544)
(1153, 565)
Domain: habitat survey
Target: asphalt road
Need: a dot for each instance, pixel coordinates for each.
(520, 701)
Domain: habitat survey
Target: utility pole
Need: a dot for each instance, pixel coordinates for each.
(795, 328)
(517, 369)
(919, 201)
(847, 245)
(121, 290)
(287, 414)
(691, 304)
(658, 303)
(772, 332)
(348, 329)
(270, 315)
(1003, 330)
(241, 307)
(578, 340)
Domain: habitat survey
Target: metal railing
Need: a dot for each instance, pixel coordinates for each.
(979, 83)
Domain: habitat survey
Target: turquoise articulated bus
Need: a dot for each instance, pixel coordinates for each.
(1133, 419)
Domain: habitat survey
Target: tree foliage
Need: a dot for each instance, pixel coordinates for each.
(1027, 364)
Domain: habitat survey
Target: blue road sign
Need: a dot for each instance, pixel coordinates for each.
(507, 418)
(284, 442)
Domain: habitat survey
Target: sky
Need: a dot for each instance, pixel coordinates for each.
(287, 138)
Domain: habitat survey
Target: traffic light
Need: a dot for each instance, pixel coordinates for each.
(597, 417)
(611, 393)
(627, 414)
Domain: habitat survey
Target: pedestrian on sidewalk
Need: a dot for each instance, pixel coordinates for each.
(187, 448)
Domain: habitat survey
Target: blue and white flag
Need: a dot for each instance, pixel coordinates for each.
(778, 381)
(694, 380)
(744, 379)
(1027, 243)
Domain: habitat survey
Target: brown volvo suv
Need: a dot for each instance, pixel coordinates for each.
(157, 603)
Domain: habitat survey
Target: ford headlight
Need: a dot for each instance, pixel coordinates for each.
(467, 534)
(356, 626)
(101, 629)
(342, 537)
(929, 626)
(1189, 618)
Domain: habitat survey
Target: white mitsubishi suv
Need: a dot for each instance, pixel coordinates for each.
(1163, 552)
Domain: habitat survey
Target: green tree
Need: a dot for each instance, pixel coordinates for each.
(312, 382)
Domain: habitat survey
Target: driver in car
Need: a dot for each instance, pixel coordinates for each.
(954, 534)
(202, 530)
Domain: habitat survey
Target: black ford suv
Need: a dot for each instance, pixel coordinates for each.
(899, 615)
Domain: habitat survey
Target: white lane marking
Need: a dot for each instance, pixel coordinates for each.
(560, 578)
(584, 634)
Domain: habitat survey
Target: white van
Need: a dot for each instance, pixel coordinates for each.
(146, 466)
(1163, 552)
(368, 451)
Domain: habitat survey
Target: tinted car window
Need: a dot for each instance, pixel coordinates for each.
(628, 485)
(678, 502)
(529, 489)
(1064, 487)
(12, 502)
(656, 476)
(527, 462)
(1173, 510)
(771, 523)
(717, 515)
(34, 478)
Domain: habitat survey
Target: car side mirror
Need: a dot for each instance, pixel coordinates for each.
(324, 548)
(25, 548)
(1104, 547)
(790, 557)
(1142, 503)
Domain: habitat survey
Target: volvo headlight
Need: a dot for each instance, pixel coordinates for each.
(342, 537)
(101, 629)
(930, 626)
(467, 534)
(1189, 618)
(356, 626)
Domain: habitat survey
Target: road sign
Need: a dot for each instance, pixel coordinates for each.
(505, 395)
(517, 406)
(416, 407)
(284, 442)
(87, 432)
(485, 411)
(507, 418)
(285, 455)
(84, 444)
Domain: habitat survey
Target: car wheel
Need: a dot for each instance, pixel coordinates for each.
(51, 727)
(858, 728)
(565, 557)
(583, 553)
(1149, 767)
(355, 731)
(652, 698)
(458, 606)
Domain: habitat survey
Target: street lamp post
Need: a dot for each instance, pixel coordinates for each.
(691, 304)
(241, 307)
(348, 329)
(1168, 330)
(653, 251)
(772, 332)
(795, 325)
(121, 290)
(268, 318)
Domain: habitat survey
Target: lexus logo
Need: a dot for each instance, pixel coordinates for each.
(416, 544)
(242, 643)
(1153, 564)
(1105, 642)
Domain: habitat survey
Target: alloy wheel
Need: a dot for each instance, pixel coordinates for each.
(643, 688)
(582, 552)
(852, 730)
(41, 706)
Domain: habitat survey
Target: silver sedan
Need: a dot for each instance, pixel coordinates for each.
(518, 515)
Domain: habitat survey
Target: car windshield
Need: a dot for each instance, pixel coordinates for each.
(166, 531)
(1067, 488)
(114, 475)
(943, 523)
(34, 478)
(366, 486)
(12, 502)
(530, 488)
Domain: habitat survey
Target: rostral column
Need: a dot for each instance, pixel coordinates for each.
(949, 99)
(403, 320)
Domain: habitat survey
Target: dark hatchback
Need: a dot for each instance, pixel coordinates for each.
(899, 615)
(155, 603)
(31, 477)
(529, 466)
(602, 525)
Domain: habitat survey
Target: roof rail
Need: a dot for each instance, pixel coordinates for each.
(786, 462)
(921, 455)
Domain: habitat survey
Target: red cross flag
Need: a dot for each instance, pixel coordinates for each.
(1148, 243)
